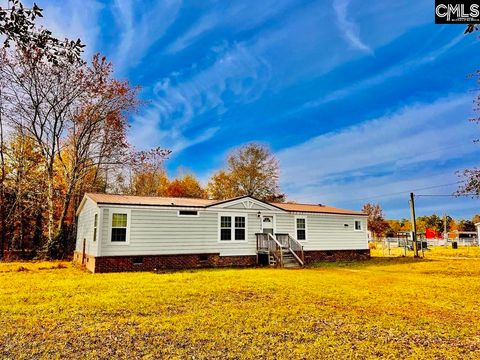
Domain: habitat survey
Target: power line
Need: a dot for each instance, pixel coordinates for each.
(407, 191)
(444, 195)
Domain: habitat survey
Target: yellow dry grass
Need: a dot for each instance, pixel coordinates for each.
(386, 307)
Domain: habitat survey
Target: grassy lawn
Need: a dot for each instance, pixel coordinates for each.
(387, 307)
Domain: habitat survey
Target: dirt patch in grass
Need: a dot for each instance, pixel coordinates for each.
(19, 266)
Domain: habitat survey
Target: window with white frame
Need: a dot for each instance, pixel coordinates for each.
(233, 228)
(301, 227)
(239, 227)
(95, 226)
(358, 225)
(225, 228)
(119, 227)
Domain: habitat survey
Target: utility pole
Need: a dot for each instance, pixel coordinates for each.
(414, 225)
(445, 235)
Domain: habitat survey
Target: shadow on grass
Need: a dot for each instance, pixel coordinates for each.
(374, 261)
(206, 269)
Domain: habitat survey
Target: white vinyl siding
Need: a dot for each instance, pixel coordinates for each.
(86, 228)
(161, 231)
(154, 231)
(326, 231)
(285, 223)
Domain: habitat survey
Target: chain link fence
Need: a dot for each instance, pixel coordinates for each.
(394, 245)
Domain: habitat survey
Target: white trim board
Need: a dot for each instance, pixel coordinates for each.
(306, 227)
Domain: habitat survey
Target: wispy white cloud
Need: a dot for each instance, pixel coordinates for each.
(180, 101)
(141, 27)
(80, 21)
(389, 154)
(348, 28)
(203, 25)
(236, 17)
(395, 70)
(149, 130)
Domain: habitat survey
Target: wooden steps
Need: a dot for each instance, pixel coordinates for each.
(289, 260)
(282, 249)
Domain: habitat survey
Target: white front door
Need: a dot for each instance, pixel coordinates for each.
(267, 224)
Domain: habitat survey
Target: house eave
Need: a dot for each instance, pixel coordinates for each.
(82, 204)
(325, 212)
(234, 200)
(153, 205)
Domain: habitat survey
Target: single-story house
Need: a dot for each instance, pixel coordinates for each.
(127, 233)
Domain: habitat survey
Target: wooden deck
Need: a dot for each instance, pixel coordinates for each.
(282, 249)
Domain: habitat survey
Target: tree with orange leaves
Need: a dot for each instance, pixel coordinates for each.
(25, 183)
(252, 170)
(186, 186)
(77, 115)
(220, 186)
(97, 131)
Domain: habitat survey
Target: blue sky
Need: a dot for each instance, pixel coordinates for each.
(357, 99)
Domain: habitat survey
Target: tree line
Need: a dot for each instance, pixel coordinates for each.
(380, 227)
(63, 129)
(44, 89)
(63, 132)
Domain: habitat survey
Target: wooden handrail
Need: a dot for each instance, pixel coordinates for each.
(278, 253)
(271, 237)
(268, 243)
(274, 245)
(295, 246)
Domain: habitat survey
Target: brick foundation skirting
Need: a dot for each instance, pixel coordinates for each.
(103, 264)
(336, 255)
